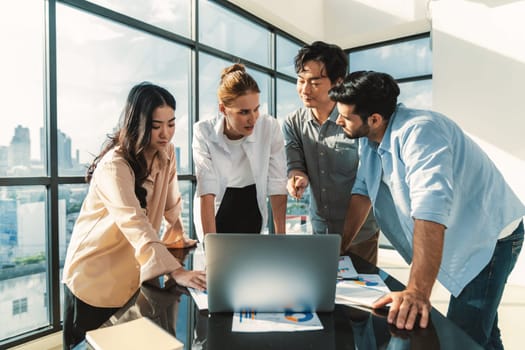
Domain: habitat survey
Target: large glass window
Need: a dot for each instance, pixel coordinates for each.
(402, 59)
(173, 15)
(297, 212)
(409, 61)
(263, 81)
(69, 65)
(232, 33)
(416, 94)
(210, 68)
(286, 51)
(287, 99)
(98, 62)
(22, 148)
(69, 204)
(23, 259)
(185, 188)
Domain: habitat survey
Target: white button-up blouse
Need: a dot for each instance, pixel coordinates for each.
(264, 149)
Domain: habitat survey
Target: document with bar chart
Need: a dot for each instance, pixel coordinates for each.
(346, 269)
(289, 321)
(364, 290)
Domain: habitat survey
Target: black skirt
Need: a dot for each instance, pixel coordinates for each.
(239, 211)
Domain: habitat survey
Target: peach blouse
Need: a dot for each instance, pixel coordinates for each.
(115, 244)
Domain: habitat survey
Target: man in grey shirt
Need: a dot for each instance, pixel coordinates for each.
(318, 152)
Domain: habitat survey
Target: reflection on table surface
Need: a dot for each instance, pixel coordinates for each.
(171, 307)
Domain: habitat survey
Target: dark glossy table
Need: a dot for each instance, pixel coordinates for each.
(344, 328)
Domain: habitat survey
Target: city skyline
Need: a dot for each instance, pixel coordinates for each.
(17, 154)
(16, 158)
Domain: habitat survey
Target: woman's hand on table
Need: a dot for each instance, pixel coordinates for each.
(193, 279)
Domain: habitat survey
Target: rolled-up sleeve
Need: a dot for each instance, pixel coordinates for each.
(277, 166)
(426, 151)
(360, 183)
(295, 159)
(207, 179)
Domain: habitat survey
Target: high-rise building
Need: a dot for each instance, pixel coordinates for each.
(4, 152)
(20, 148)
(64, 148)
(177, 156)
(8, 228)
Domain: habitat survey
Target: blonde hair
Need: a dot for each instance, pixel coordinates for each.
(235, 82)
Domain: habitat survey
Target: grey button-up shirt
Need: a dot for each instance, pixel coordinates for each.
(330, 160)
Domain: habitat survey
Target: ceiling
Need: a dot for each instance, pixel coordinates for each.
(348, 23)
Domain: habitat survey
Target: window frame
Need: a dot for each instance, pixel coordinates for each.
(52, 181)
(408, 79)
(384, 243)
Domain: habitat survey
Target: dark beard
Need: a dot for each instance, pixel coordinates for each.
(361, 132)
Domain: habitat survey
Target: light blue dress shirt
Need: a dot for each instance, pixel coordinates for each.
(427, 168)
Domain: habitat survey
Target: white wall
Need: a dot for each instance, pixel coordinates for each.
(351, 23)
(348, 23)
(478, 60)
(303, 19)
(479, 76)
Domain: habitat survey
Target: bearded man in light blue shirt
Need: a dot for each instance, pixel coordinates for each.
(440, 201)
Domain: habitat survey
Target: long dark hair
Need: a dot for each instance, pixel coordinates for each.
(134, 133)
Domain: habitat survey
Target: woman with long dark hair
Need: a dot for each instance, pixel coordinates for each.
(115, 244)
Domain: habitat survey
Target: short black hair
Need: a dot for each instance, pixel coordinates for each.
(369, 92)
(332, 56)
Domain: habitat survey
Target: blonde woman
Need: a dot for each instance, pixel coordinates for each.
(239, 161)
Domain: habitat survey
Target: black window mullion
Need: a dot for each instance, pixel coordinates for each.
(51, 127)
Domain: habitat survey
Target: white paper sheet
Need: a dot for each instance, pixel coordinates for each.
(365, 290)
(346, 269)
(200, 298)
(275, 322)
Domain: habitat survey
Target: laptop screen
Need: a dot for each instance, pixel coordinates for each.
(271, 273)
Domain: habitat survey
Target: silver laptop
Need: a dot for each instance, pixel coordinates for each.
(271, 273)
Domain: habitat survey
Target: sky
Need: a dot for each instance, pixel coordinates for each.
(99, 61)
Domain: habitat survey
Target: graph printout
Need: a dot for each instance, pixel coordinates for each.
(288, 321)
(364, 290)
(346, 269)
